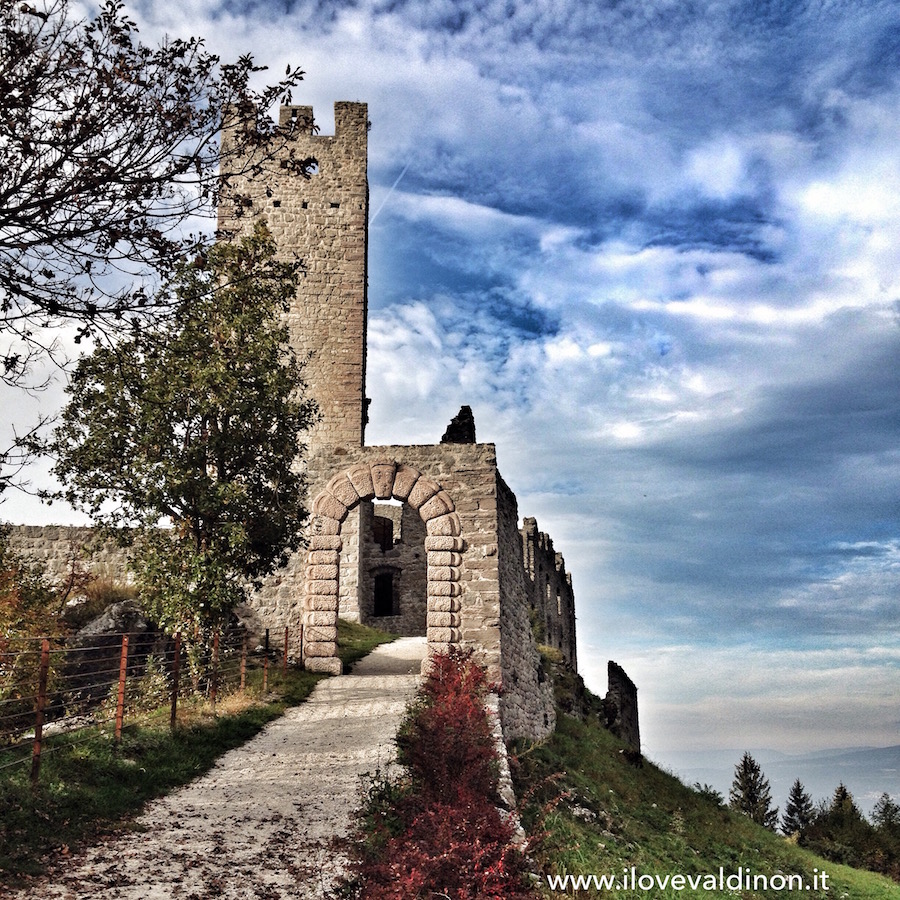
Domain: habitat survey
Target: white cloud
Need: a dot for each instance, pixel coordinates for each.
(718, 169)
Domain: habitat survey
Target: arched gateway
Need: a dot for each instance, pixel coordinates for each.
(381, 479)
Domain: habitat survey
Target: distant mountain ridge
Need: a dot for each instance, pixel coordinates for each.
(867, 772)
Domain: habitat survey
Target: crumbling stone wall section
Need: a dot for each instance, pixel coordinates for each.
(461, 429)
(56, 548)
(551, 596)
(621, 705)
(526, 706)
(321, 220)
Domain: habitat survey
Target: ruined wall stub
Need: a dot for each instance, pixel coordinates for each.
(621, 704)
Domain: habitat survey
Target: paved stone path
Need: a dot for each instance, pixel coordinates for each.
(260, 824)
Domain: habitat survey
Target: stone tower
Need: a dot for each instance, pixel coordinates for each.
(322, 220)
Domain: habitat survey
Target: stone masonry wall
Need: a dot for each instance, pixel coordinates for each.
(526, 705)
(406, 561)
(55, 548)
(321, 220)
(475, 581)
(621, 704)
(466, 475)
(552, 599)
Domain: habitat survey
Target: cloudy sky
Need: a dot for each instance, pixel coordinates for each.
(653, 244)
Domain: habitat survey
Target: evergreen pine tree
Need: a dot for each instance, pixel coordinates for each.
(799, 811)
(886, 814)
(750, 793)
(844, 812)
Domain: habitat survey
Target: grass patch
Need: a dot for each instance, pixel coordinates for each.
(89, 785)
(614, 816)
(356, 641)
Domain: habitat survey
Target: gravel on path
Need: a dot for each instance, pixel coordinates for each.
(261, 824)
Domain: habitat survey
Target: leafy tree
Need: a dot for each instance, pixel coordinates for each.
(708, 792)
(108, 149)
(195, 425)
(106, 146)
(750, 793)
(799, 811)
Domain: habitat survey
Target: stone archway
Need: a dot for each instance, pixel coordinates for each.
(380, 479)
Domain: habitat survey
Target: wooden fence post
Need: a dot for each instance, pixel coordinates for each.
(39, 711)
(284, 661)
(266, 664)
(176, 665)
(214, 684)
(244, 664)
(120, 696)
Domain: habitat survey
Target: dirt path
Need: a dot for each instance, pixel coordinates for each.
(259, 825)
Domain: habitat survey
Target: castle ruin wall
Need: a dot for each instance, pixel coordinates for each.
(57, 548)
(551, 595)
(527, 704)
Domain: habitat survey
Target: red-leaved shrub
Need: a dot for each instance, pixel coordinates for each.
(440, 833)
(445, 740)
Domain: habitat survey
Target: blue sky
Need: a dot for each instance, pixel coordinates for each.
(654, 246)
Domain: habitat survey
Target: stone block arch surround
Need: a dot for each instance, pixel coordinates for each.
(381, 479)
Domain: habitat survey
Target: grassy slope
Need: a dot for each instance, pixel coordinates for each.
(617, 816)
(89, 785)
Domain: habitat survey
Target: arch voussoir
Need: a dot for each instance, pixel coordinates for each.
(328, 506)
(405, 479)
(422, 491)
(383, 471)
(360, 477)
(341, 487)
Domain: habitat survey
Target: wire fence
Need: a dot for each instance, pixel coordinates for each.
(49, 687)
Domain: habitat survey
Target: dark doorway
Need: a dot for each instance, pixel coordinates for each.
(384, 594)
